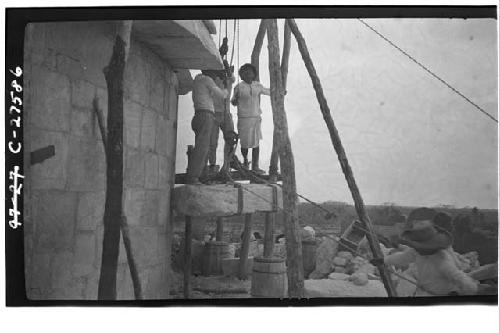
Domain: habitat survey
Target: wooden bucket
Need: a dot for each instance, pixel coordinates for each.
(269, 278)
(309, 256)
(212, 259)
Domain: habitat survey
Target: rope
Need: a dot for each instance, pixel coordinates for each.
(238, 50)
(234, 38)
(220, 31)
(429, 71)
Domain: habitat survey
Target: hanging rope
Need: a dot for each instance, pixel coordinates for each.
(234, 39)
(220, 32)
(429, 71)
(238, 49)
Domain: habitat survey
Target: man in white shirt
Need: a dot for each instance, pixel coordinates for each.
(203, 122)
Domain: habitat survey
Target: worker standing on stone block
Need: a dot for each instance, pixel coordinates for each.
(428, 240)
(246, 97)
(223, 120)
(204, 92)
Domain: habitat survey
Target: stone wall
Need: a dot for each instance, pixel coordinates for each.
(64, 195)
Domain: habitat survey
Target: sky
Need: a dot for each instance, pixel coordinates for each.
(410, 140)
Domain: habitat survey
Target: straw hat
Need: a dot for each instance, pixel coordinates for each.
(429, 236)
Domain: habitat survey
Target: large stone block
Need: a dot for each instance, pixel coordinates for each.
(51, 173)
(148, 130)
(84, 124)
(84, 253)
(86, 165)
(163, 172)
(40, 272)
(162, 136)
(55, 216)
(50, 100)
(132, 123)
(82, 94)
(173, 101)
(157, 89)
(134, 168)
(61, 270)
(137, 76)
(154, 285)
(99, 233)
(171, 137)
(124, 286)
(133, 205)
(90, 212)
(164, 209)
(144, 243)
(151, 171)
(149, 211)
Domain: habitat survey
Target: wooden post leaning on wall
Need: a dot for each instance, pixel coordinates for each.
(113, 206)
(291, 222)
(344, 163)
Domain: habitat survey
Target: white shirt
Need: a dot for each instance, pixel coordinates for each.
(248, 96)
(204, 92)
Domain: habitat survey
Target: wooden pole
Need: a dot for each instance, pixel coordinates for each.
(134, 274)
(113, 206)
(344, 163)
(245, 247)
(291, 221)
(273, 165)
(187, 257)
(219, 231)
(259, 39)
(268, 235)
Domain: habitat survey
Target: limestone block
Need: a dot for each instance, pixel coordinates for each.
(154, 285)
(84, 123)
(132, 117)
(338, 261)
(317, 275)
(325, 253)
(98, 245)
(124, 286)
(359, 279)
(171, 137)
(157, 89)
(163, 209)
(84, 253)
(173, 102)
(60, 274)
(91, 288)
(122, 252)
(133, 205)
(40, 272)
(50, 100)
(134, 168)
(164, 246)
(149, 210)
(151, 171)
(340, 269)
(338, 276)
(345, 254)
(340, 288)
(51, 173)
(82, 94)
(222, 200)
(162, 136)
(165, 171)
(148, 130)
(54, 213)
(144, 243)
(86, 165)
(137, 76)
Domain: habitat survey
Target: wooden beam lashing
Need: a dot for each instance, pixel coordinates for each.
(291, 222)
(113, 206)
(245, 246)
(342, 157)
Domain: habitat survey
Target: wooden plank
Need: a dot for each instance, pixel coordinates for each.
(342, 157)
(295, 267)
(180, 178)
(245, 246)
(269, 234)
(187, 257)
(222, 200)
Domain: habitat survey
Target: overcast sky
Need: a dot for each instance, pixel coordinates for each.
(409, 139)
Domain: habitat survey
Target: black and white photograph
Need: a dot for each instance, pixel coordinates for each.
(212, 156)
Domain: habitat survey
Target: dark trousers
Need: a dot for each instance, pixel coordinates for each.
(202, 124)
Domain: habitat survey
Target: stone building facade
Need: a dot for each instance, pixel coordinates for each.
(65, 194)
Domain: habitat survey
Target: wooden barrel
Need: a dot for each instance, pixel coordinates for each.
(309, 256)
(269, 277)
(212, 259)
